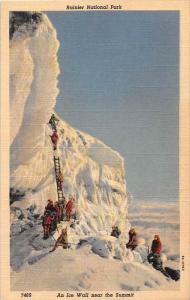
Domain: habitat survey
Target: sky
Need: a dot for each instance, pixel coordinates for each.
(119, 82)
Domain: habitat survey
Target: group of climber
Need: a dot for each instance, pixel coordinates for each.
(55, 213)
(133, 238)
(154, 257)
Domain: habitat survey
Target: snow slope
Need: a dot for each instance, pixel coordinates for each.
(85, 270)
(93, 173)
(90, 271)
(81, 269)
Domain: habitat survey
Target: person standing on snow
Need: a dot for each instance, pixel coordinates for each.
(69, 207)
(58, 213)
(133, 239)
(47, 220)
(54, 139)
(50, 207)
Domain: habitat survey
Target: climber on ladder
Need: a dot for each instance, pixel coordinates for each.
(53, 122)
(54, 139)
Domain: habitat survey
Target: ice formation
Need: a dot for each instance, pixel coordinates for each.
(93, 173)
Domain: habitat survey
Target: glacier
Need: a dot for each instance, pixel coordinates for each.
(93, 173)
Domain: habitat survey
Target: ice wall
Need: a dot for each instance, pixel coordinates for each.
(93, 173)
(33, 86)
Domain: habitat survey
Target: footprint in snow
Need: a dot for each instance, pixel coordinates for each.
(84, 282)
(130, 288)
(151, 283)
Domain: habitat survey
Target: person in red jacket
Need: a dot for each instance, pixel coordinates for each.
(156, 244)
(69, 207)
(54, 139)
(154, 257)
(47, 220)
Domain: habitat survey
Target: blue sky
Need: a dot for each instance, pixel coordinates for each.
(119, 82)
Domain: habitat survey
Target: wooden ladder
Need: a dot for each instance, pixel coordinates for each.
(57, 173)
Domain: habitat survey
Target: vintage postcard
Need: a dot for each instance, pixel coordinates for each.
(95, 108)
